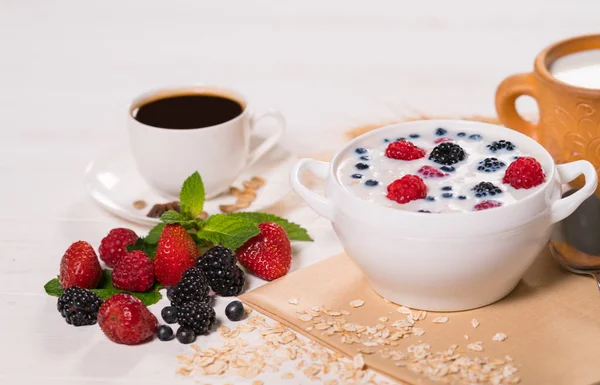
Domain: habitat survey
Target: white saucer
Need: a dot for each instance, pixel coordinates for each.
(114, 182)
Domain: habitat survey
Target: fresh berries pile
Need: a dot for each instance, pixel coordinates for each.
(490, 165)
(406, 189)
(484, 189)
(524, 173)
(79, 306)
(267, 255)
(404, 150)
(501, 145)
(431, 172)
(487, 205)
(447, 153)
(113, 246)
(219, 266)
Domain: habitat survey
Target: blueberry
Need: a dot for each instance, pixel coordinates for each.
(371, 182)
(424, 211)
(429, 198)
(441, 132)
(515, 157)
(356, 176)
(447, 168)
(165, 333)
(386, 140)
(234, 311)
(462, 197)
(361, 150)
(361, 166)
(414, 136)
(185, 335)
(447, 195)
(475, 137)
(169, 314)
(447, 188)
(399, 139)
(365, 157)
(461, 134)
(170, 293)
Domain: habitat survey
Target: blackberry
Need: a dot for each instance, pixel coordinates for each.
(441, 132)
(199, 317)
(484, 189)
(361, 166)
(193, 287)
(371, 182)
(490, 165)
(219, 265)
(501, 144)
(447, 153)
(361, 150)
(79, 306)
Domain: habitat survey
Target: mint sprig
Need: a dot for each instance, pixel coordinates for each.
(221, 229)
(191, 197)
(294, 231)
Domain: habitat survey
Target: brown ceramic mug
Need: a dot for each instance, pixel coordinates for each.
(569, 124)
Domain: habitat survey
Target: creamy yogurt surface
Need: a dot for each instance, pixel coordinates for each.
(365, 170)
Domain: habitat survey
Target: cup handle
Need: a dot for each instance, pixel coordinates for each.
(506, 96)
(315, 201)
(271, 140)
(564, 207)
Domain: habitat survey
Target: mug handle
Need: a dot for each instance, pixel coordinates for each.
(315, 201)
(271, 140)
(506, 96)
(564, 207)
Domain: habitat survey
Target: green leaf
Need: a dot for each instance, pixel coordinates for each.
(191, 197)
(295, 232)
(142, 245)
(227, 231)
(171, 216)
(106, 290)
(154, 234)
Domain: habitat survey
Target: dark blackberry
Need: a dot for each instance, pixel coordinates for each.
(484, 189)
(365, 157)
(199, 317)
(219, 265)
(414, 136)
(234, 311)
(490, 165)
(447, 168)
(356, 176)
(185, 335)
(475, 137)
(371, 182)
(447, 195)
(361, 150)
(361, 166)
(441, 132)
(193, 287)
(79, 306)
(501, 144)
(447, 153)
(461, 134)
(165, 333)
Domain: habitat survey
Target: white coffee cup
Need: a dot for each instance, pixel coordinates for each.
(166, 157)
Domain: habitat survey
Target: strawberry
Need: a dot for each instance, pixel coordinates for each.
(267, 255)
(112, 247)
(406, 189)
(175, 253)
(134, 272)
(126, 320)
(79, 267)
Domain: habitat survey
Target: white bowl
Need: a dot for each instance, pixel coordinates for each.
(446, 262)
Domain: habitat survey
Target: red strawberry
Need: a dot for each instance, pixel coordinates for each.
(267, 255)
(404, 150)
(79, 267)
(134, 272)
(431, 172)
(487, 205)
(175, 253)
(406, 189)
(112, 247)
(525, 172)
(126, 320)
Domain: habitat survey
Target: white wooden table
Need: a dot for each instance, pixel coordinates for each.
(68, 69)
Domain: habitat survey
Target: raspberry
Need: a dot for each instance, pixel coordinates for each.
(79, 306)
(501, 144)
(193, 287)
(484, 189)
(487, 205)
(112, 247)
(525, 172)
(406, 189)
(134, 272)
(219, 265)
(442, 140)
(490, 165)
(447, 153)
(431, 172)
(199, 317)
(404, 150)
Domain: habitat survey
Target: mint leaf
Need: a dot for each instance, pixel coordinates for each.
(227, 231)
(171, 216)
(106, 290)
(154, 234)
(191, 197)
(295, 232)
(142, 245)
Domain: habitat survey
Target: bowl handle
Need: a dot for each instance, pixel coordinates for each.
(562, 208)
(315, 201)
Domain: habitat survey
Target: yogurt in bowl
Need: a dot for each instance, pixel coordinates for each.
(445, 253)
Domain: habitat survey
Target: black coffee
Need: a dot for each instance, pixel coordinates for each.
(188, 111)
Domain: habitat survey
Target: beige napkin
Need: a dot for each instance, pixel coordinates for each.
(551, 321)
